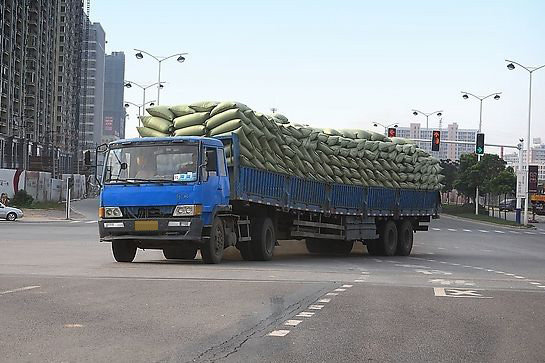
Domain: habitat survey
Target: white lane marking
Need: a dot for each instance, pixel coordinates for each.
(293, 322)
(433, 272)
(73, 326)
(75, 222)
(324, 300)
(499, 231)
(347, 285)
(514, 232)
(442, 262)
(490, 270)
(429, 253)
(332, 294)
(541, 286)
(478, 268)
(455, 264)
(535, 283)
(500, 272)
(519, 277)
(339, 290)
(436, 229)
(305, 314)
(451, 282)
(529, 232)
(359, 280)
(483, 231)
(316, 307)
(279, 333)
(19, 289)
(452, 229)
(486, 250)
(450, 292)
(377, 260)
(91, 222)
(509, 274)
(466, 230)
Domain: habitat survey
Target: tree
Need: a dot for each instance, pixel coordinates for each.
(468, 175)
(450, 171)
(490, 167)
(504, 183)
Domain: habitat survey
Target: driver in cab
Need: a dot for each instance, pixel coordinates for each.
(147, 166)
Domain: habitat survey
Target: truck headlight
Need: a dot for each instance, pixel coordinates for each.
(112, 212)
(187, 210)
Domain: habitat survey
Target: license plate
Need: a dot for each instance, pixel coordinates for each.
(146, 225)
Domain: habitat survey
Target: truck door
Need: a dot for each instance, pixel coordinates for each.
(217, 189)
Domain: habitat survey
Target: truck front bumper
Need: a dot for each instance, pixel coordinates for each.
(189, 229)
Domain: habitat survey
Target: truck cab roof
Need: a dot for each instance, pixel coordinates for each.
(209, 141)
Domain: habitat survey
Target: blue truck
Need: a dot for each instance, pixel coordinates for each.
(184, 194)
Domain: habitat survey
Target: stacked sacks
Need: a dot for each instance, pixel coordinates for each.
(271, 142)
(159, 123)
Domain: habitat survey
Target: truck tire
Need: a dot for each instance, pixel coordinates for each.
(212, 249)
(341, 248)
(245, 250)
(314, 245)
(404, 238)
(124, 251)
(373, 247)
(180, 253)
(388, 238)
(263, 239)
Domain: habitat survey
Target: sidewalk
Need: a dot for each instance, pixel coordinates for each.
(48, 215)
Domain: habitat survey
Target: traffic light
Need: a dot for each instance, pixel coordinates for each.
(87, 157)
(436, 140)
(479, 144)
(70, 182)
(391, 132)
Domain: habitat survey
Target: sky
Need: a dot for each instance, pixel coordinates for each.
(340, 64)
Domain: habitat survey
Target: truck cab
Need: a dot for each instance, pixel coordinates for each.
(162, 193)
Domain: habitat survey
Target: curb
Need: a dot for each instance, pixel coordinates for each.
(486, 223)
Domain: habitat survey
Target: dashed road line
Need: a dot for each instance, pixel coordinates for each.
(436, 229)
(466, 230)
(452, 229)
(324, 301)
(499, 231)
(483, 231)
(514, 232)
(332, 294)
(359, 280)
(339, 290)
(316, 307)
(91, 222)
(347, 286)
(19, 289)
(305, 314)
(279, 333)
(293, 322)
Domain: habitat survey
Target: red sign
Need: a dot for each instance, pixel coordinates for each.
(108, 123)
(392, 132)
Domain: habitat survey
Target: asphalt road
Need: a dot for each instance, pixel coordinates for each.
(469, 292)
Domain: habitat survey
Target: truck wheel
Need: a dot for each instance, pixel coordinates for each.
(388, 238)
(124, 251)
(180, 253)
(246, 251)
(314, 245)
(373, 247)
(212, 249)
(263, 239)
(404, 238)
(342, 248)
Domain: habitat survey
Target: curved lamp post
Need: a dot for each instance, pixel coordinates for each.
(141, 106)
(465, 96)
(438, 113)
(140, 55)
(377, 124)
(129, 84)
(511, 66)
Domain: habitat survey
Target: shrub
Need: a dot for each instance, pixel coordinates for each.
(21, 199)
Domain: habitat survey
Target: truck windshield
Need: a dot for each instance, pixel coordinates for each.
(153, 163)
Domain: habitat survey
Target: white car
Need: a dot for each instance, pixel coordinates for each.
(10, 213)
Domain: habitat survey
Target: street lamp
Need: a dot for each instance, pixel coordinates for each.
(438, 113)
(530, 70)
(465, 96)
(129, 103)
(129, 84)
(180, 58)
(377, 124)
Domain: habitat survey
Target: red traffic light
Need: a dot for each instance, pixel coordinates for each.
(391, 132)
(436, 140)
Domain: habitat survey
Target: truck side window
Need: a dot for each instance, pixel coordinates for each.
(221, 161)
(212, 161)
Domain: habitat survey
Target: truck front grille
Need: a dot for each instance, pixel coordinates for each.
(147, 212)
